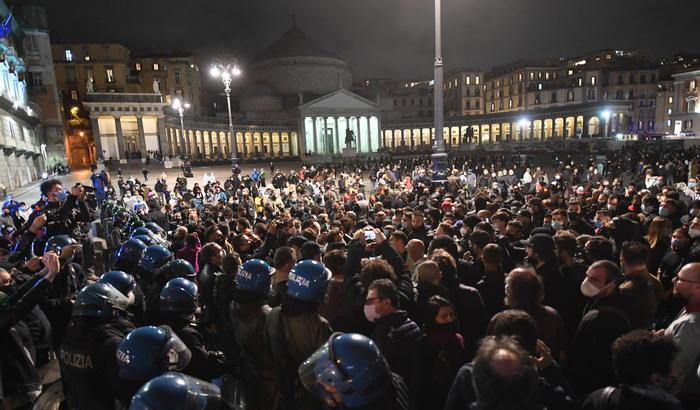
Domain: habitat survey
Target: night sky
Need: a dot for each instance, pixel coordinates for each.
(387, 38)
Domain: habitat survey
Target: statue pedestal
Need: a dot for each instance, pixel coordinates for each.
(349, 152)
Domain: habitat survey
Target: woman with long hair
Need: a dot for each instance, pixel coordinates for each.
(659, 239)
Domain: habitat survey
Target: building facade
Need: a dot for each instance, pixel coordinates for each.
(463, 93)
(41, 82)
(683, 107)
(178, 76)
(21, 161)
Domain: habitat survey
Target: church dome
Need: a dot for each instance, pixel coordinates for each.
(294, 43)
(297, 64)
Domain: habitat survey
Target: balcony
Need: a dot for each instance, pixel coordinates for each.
(126, 98)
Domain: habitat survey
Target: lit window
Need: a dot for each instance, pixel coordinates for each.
(138, 66)
(539, 86)
(510, 103)
(546, 76)
(74, 95)
(456, 83)
(532, 76)
(110, 75)
(69, 55)
(520, 77)
(467, 80)
(493, 106)
(177, 77)
(670, 111)
(580, 82)
(156, 66)
(692, 85)
(476, 80)
(571, 72)
(593, 80)
(86, 53)
(668, 123)
(670, 100)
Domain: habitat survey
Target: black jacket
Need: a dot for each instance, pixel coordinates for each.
(88, 363)
(18, 374)
(398, 338)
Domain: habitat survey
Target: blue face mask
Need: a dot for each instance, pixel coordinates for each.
(61, 196)
(598, 223)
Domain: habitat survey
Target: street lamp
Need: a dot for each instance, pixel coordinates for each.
(606, 115)
(439, 156)
(523, 123)
(226, 70)
(180, 107)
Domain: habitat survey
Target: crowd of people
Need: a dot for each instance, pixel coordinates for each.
(514, 283)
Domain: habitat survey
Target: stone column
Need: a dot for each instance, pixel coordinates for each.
(163, 143)
(315, 136)
(219, 145)
(337, 136)
(359, 135)
(120, 140)
(97, 137)
(142, 138)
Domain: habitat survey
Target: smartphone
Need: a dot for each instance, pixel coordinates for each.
(370, 236)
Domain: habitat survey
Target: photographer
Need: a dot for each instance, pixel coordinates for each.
(58, 213)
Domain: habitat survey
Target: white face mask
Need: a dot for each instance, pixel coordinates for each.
(694, 233)
(588, 289)
(371, 313)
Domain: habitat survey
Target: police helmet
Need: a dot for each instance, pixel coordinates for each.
(136, 223)
(141, 231)
(176, 268)
(124, 282)
(353, 365)
(131, 252)
(58, 242)
(176, 391)
(154, 257)
(254, 276)
(308, 281)
(179, 296)
(155, 229)
(147, 239)
(99, 300)
(149, 351)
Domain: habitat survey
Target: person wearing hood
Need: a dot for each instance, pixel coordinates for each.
(442, 352)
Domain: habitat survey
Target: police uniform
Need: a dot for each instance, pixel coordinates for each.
(88, 362)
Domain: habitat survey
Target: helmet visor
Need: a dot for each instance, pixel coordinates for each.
(321, 370)
(177, 354)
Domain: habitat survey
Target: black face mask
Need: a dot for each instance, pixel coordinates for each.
(452, 327)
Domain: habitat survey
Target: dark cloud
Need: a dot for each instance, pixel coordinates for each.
(387, 38)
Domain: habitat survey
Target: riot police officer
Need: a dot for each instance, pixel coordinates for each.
(350, 371)
(177, 268)
(178, 305)
(127, 285)
(295, 330)
(88, 354)
(248, 312)
(148, 352)
(58, 304)
(176, 391)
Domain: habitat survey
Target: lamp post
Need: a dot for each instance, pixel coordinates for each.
(439, 156)
(226, 70)
(180, 107)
